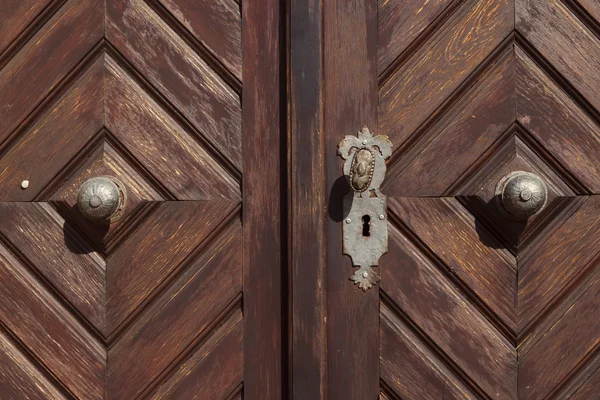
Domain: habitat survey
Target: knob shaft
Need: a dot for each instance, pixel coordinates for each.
(101, 199)
(521, 195)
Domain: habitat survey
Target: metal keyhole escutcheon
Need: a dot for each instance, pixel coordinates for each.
(101, 199)
(521, 195)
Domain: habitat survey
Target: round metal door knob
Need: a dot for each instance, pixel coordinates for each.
(101, 199)
(521, 195)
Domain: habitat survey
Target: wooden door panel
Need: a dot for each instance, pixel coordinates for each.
(471, 304)
(154, 304)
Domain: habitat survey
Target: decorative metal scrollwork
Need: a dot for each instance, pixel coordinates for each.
(365, 226)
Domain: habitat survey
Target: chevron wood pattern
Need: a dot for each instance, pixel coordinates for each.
(472, 305)
(151, 305)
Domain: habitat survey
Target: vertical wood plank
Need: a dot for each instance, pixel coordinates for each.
(307, 202)
(350, 102)
(261, 21)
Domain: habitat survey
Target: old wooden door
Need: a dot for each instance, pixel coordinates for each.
(471, 305)
(179, 297)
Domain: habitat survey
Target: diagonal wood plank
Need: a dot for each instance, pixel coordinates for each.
(40, 235)
(63, 131)
(546, 269)
(548, 113)
(183, 312)
(157, 248)
(564, 41)
(410, 369)
(215, 23)
(16, 16)
(49, 331)
(160, 144)
(47, 58)
(19, 377)
(448, 318)
(452, 234)
(188, 82)
(444, 62)
(468, 129)
(401, 22)
(198, 378)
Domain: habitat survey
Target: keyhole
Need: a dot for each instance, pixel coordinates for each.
(366, 225)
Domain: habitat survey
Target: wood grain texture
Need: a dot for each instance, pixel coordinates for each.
(562, 347)
(484, 358)
(49, 331)
(441, 65)
(53, 248)
(410, 369)
(16, 17)
(198, 378)
(183, 226)
(592, 7)
(468, 129)
(178, 73)
(546, 269)
(160, 144)
(217, 24)
(564, 41)
(262, 216)
(307, 203)
(55, 138)
(548, 112)
(182, 313)
(400, 23)
(589, 388)
(452, 234)
(349, 103)
(36, 70)
(19, 378)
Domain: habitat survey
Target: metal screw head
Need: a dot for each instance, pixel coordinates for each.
(521, 195)
(101, 198)
(25, 184)
(365, 274)
(382, 217)
(348, 220)
(364, 142)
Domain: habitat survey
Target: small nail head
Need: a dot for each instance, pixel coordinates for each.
(382, 217)
(364, 142)
(25, 184)
(348, 220)
(365, 274)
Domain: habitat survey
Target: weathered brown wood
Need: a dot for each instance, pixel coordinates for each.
(146, 130)
(34, 72)
(545, 270)
(19, 377)
(564, 41)
(451, 233)
(401, 23)
(262, 183)
(18, 15)
(72, 355)
(475, 348)
(54, 139)
(56, 251)
(158, 248)
(441, 65)
(563, 347)
(199, 377)
(409, 368)
(217, 24)
(349, 103)
(469, 129)
(307, 211)
(174, 321)
(178, 73)
(548, 112)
